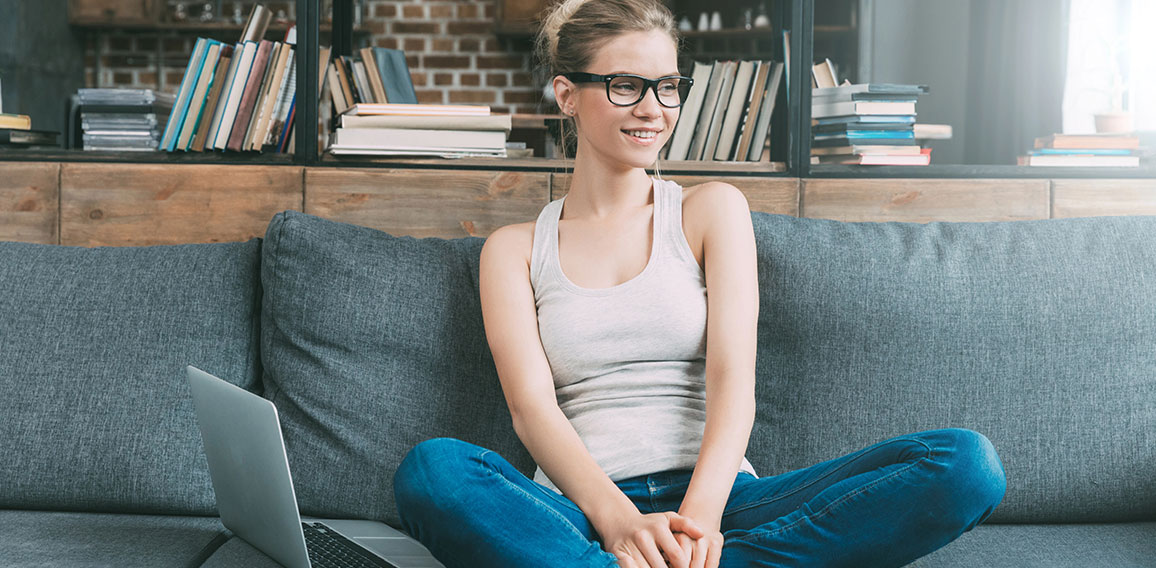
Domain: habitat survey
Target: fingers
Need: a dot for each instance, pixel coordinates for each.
(686, 544)
(701, 546)
(679, 523)
(674, 554)
(714, 554)
(649, 549)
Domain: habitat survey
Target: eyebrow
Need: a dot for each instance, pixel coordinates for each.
(639, 74)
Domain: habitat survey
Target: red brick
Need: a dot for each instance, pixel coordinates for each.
(443, 45)
(472, 96)
(522, 79)
(467, 28)
(430, 97)
(427, 28)
(388, 42)
(412, 44)
(491, 11)
(148, 78)
(470, 79)
(468, 11)
(412, 11)
(441, 11)
(528, 97)
(377, 27)
(469, 45)
(497, 80)
(122, 78)
(499, 109)
(500, 62)
(419, 79)
(385, 11)
(445, 62)
(442, 79)
(173, 80)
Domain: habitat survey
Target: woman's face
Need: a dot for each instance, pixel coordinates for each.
(631, 135)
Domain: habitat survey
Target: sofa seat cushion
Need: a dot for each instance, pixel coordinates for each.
(96, 411)
(1040, 335)
(49, 538)
(1119, 545)
(371, 344)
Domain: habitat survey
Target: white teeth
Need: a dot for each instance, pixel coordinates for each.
(642, 133)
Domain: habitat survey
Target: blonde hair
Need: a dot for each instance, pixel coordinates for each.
(572, 31)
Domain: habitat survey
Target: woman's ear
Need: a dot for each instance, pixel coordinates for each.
(564, 94)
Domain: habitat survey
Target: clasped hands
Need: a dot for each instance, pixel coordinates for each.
(663, 540)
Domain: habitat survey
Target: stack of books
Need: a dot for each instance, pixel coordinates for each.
(121, 120)
(867, 124)
(727, 114)
(374, 75)
(236, 97)
(399, 129)
(1085, 150)
(16, 132)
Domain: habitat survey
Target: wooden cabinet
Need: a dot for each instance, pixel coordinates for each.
(147, 204)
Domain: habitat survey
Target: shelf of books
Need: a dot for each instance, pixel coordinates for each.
(769, 114)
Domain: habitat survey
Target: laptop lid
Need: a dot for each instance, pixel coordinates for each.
(249, 468)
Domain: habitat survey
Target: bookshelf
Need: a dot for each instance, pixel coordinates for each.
(833, 33)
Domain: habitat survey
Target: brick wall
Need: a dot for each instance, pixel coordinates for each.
(453, 54)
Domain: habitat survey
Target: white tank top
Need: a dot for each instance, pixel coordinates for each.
(629, 361)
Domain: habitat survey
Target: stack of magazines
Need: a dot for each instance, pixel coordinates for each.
(448, 131)
(122, 119)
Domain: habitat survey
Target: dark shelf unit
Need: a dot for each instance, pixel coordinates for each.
(790, 130)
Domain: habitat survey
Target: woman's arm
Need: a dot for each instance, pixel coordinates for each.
(511, 323)
(732, 319)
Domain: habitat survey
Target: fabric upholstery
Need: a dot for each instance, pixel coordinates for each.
(96, 410)
(1039, 334)
(1122, 545)
(99, 540)
(237, 553)
(371, 344)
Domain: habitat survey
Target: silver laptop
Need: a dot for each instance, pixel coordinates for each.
(255, 498)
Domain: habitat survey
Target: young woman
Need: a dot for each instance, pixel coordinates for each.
(622, 324)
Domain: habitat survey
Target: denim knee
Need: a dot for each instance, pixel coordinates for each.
(975, 481)
(427, 469)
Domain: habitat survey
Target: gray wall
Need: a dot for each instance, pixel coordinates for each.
(923, 42)
(41, 60)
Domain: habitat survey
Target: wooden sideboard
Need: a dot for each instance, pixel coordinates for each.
(116, 204)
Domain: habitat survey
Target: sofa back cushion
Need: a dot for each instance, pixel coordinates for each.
(1039, 334)
(371, 344)
(96, 413)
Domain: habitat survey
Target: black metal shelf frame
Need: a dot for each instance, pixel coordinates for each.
(791, 140)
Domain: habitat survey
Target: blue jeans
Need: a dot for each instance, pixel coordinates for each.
(885, 505)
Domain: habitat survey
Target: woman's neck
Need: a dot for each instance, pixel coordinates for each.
(600, 192)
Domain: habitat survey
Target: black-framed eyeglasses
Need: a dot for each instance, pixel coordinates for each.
(624, 89)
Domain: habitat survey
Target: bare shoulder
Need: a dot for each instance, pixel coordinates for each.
(511, 242)
(713, 202)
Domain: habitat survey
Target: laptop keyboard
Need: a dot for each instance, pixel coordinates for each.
(328, 549)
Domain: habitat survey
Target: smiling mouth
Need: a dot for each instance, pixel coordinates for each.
(643, 134)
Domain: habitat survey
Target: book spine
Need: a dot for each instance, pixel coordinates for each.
(252, 88)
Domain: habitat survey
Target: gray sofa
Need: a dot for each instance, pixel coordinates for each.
(1039, 334)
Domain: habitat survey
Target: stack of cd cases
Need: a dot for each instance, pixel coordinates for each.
(122, 120)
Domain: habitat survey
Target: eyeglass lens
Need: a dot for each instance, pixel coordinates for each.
(629, 90)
